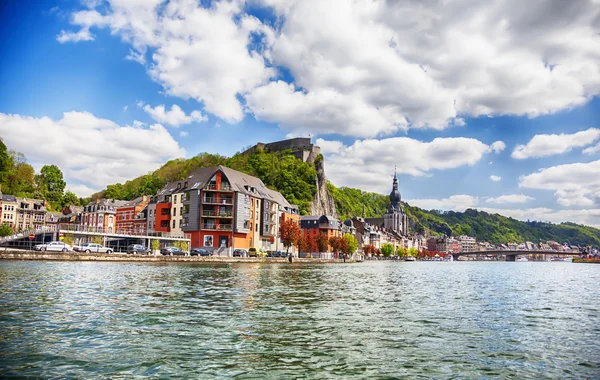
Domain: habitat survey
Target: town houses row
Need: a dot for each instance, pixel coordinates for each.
(220, 208)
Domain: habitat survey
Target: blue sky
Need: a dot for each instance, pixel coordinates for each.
(447, 94)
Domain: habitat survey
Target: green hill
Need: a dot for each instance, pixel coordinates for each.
(295, 179)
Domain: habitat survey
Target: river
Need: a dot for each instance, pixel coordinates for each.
(276, 321)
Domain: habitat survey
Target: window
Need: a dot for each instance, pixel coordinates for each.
(181, 210)
(174, 211)
(187, 196)
(185, 184)
(173, 223)
(175, 198)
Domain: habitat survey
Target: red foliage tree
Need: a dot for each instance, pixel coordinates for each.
(290, 234)
(321, 241)
(311, 244)
(335, 243)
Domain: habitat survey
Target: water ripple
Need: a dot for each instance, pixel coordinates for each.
(379, 320)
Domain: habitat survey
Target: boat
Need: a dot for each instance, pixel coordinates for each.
(567, 259)
(449, 258)
(522, 258)
(409, 258)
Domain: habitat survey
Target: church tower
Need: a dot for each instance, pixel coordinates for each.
(394, 218)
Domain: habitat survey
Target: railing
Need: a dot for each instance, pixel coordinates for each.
(222, 201)
(77, 228)
(220, 227)
(221, 214)
(217, 188)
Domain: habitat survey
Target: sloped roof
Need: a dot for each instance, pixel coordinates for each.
(9, 198)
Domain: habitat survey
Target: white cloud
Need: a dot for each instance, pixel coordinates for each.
(329, 146)
(366, 68)
(498, 146)
(83, 35)
(135, 56)
(369, 164)
(455, 203)
(510, 198)
(574, 184)
(592, 149)
(495, 178)
(199, 53)
(183, 134)
(94, 152)
(175, 117)
(547, 145)
(125, 108)
(81, 190)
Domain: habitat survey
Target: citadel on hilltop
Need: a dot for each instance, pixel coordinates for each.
(301, 147)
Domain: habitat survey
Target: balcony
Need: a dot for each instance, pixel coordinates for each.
(214, 187)
(214, 214)
(215, 201)
(220, 227)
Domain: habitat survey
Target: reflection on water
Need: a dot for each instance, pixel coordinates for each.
(369, 320)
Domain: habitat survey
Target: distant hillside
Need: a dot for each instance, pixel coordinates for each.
(296, 180)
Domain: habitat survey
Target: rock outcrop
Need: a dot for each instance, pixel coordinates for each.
(322, 203)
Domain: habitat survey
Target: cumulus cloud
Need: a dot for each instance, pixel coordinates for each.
(82, 35)
(183, 134)
(175, 117)
(495, 178)
(329, 146)
(592, 149)
(82, 190)
(510, 198)
(498, 146)
(574, 184)
(365, 68)
(455, 203)
(548, 145)
(368, 164)
(92, 151)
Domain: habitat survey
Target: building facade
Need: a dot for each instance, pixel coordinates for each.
(220, 208)
(131, 217)
(30, 213)
(9, 210)
(100, 215)
(327, 225)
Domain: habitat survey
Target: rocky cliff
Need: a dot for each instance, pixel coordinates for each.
(323, 202)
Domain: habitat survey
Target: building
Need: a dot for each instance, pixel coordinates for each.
(9, 210)
(395, 219)
(301, 147)
(467, 243)
(100, 215)
(443, 244)
(220, 208)
(313, 226)
(30, 213)
(131, 217)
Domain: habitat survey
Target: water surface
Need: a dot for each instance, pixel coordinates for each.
(368, 320)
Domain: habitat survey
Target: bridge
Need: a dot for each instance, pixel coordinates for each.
(511, 255)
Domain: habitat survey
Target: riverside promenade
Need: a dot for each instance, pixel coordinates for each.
(77, 256)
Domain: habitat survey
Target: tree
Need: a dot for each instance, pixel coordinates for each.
(289, 231)
(412, 251)
(68, 239)
(6, 230)
(70, 199)
(387, 249)
(352, 243)
(311, 244)
(51, 178)
(321, 241)
(97, 240)
(6, 162)
(335, 244)
(368, 249)
(344, 246)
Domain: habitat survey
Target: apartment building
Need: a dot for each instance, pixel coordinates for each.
(30, 213)
(467, 243)
(220, 208)
(100, 215)
(9, 210)
(316, 225)
(131, 217)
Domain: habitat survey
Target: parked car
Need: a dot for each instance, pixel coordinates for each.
(252, 252)
(92, 248)
(173, 251)
(200, 252)
(240, 253)
(137, 248)
(58, 246)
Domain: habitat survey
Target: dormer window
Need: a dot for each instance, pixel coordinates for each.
(185, 184)
(179, 185)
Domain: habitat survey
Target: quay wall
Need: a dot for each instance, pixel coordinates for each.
(76, 256)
